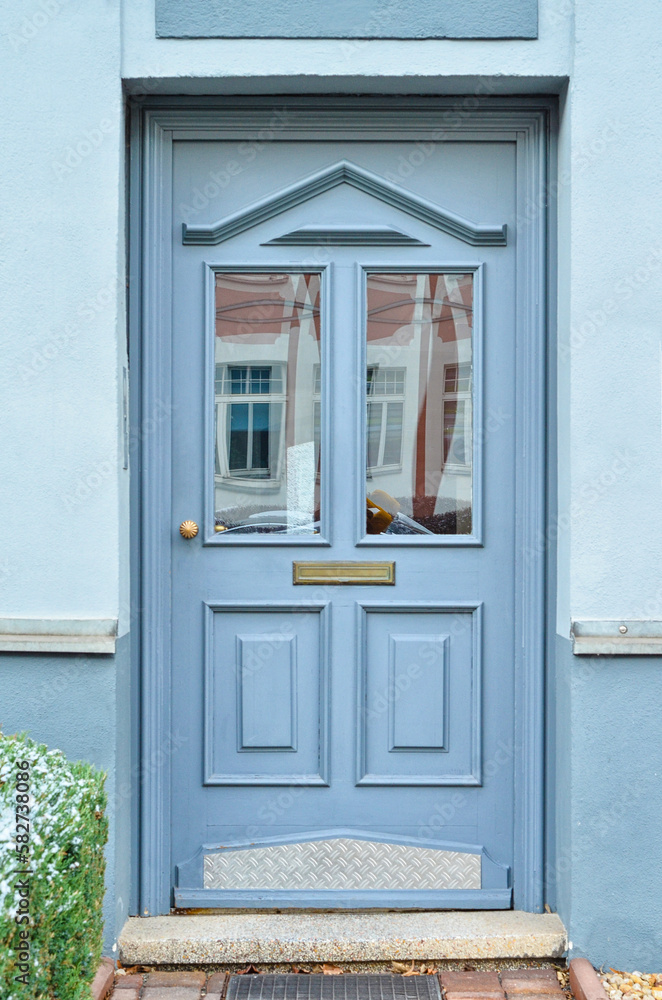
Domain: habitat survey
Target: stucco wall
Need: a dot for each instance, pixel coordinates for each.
(62, 307)
(607, 869)
(609, 337)
(79, 705)
(63, 485)
(605, 873)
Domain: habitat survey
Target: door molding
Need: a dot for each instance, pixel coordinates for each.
(154, 126)
(345, 172)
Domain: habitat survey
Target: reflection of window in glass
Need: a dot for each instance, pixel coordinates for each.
(457, 378)
(457, 414)
(385, 390)
(238, 380)
(249, 438)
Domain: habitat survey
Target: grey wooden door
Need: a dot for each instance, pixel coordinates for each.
(344, 436)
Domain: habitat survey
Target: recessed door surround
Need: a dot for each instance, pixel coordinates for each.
(354, 371)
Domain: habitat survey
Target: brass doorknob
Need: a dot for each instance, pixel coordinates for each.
(188, 529)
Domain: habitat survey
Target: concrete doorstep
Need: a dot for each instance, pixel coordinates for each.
(276, 938)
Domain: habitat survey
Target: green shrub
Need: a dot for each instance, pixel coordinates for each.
(55, 954)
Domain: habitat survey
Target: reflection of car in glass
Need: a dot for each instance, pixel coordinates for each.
(267, 522)
(384, 517)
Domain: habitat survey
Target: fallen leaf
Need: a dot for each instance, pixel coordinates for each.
(332, 970)
(249, 970)
(399, 967)
(411, 972)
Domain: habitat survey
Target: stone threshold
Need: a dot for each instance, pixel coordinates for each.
(271, 939)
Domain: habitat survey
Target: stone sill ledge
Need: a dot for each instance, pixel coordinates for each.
(58, 635)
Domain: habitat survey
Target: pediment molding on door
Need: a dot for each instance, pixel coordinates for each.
(345, 172)
(346, 236)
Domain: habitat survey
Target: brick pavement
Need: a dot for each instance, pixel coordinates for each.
(187, 985)
(518, 984)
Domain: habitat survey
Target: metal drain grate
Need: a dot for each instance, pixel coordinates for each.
(291, 986)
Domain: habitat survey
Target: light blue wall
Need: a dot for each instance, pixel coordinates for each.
(79, 704)
(347, 19)
(608, 865)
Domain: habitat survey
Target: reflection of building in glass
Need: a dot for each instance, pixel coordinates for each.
(419, 413)
(266, 353)
(268, 398)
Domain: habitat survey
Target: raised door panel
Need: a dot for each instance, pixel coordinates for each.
(265, 695)
(419, 695)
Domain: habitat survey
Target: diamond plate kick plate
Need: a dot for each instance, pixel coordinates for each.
(342, 864)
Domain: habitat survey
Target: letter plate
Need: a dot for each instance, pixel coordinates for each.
(366, 573)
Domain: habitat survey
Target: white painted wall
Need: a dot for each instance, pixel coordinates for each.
(62, 308)
(612, 437)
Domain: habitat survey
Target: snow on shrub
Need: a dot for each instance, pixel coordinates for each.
(53, 828)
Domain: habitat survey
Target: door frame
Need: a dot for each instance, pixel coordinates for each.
(154, 124)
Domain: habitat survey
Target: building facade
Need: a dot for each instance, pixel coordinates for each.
(370, 291)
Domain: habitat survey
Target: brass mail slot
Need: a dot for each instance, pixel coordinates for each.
(343, 572)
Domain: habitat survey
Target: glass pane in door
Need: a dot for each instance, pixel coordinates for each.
(419, 404)
(267, 399)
